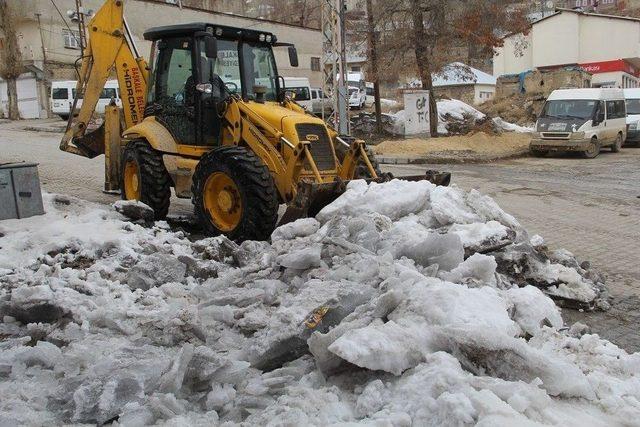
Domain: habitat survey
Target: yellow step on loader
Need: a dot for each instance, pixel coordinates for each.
(210, 117)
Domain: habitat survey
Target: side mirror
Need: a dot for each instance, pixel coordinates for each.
(293, 56)
(211, 47)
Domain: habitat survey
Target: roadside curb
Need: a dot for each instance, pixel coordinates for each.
(43, 129)
(450, 157)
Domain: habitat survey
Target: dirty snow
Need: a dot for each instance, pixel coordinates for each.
(399, 304)
(457, 110)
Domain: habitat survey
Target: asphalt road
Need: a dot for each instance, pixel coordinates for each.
(589, 207)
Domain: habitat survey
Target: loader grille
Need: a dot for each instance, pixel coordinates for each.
(321, 150)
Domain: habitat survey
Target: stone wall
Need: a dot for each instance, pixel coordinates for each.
(464, 93)
(545, 82)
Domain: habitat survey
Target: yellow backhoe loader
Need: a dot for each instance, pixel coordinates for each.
(209, 117)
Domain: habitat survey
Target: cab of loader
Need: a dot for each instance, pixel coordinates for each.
(197, 66)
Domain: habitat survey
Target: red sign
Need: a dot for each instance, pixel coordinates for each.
(610, 66)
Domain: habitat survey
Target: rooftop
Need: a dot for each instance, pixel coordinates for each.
(457, 73)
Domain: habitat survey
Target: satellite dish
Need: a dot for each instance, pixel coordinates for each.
(550, 4)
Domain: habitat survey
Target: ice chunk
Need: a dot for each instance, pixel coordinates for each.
(380, 346)
(220, 395)
(449, 207)
(300, 228)
(171, 381)
(135, 210)
(394, 199)
(154, 270)
(533, 309)
(372, 399)
(478, 266)
(477, 233)
(301, 259)
(443, 249)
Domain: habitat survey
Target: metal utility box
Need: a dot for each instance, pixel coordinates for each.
(20, 195)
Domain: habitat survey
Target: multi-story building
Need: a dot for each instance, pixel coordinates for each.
(50, 44)
(606, 46)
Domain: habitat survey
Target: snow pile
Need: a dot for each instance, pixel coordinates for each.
(399, 304)
(452, 113)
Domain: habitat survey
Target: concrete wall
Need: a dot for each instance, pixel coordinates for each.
(464, 93)
(556, 41)
(516, 54)
(142, 15)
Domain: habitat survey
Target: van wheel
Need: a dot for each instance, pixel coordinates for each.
(64, 117)
(615, 148)
(593, 150)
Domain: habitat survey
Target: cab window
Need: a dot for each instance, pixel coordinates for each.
(60, 93)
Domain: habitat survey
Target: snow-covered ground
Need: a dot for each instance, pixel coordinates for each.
(457, 110)
(399, 304)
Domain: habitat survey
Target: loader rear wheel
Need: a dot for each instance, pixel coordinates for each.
(234, 194)
(145, 178)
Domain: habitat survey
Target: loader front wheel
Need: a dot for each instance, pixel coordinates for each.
(362, 170)
(234, 195)
(145, 178)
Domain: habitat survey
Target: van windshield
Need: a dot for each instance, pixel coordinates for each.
(302, 93)
(633, 106)
(570, 109)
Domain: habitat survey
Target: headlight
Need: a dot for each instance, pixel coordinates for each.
(577, 135)
(633, 126)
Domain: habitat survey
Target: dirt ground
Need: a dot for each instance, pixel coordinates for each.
(507, 144)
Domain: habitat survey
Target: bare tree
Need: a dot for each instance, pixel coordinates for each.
(10, 57)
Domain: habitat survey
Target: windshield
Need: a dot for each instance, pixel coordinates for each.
(570, 109)
(259, 69)
(353, 91)
(633, 106)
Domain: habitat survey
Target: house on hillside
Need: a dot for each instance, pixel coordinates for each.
(468, 84)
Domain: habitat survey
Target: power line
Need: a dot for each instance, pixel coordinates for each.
(65, 22)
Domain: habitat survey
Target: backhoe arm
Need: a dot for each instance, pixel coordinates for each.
(109, 48)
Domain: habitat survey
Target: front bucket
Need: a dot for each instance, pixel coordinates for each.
(312, 197)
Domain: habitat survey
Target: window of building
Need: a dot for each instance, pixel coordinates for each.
(485, 95)
(71, 39)
(315, 63)
(356, 69)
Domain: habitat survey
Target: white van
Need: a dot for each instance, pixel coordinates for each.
(370, 95)
(582, 120)
(632, 99)
(63, 93)
(320, 101)
(300, 87)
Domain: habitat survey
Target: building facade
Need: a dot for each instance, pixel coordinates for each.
(50, 47)
(606, 46)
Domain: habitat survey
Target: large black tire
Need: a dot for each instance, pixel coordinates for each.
(256, 192)
(153, 179)
(594, 149)
(617, 145)
(362, 171)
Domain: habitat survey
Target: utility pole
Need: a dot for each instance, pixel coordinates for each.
(373, 59)
(45, 69)
(334, 62)
(343, 94)
(82, 34)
